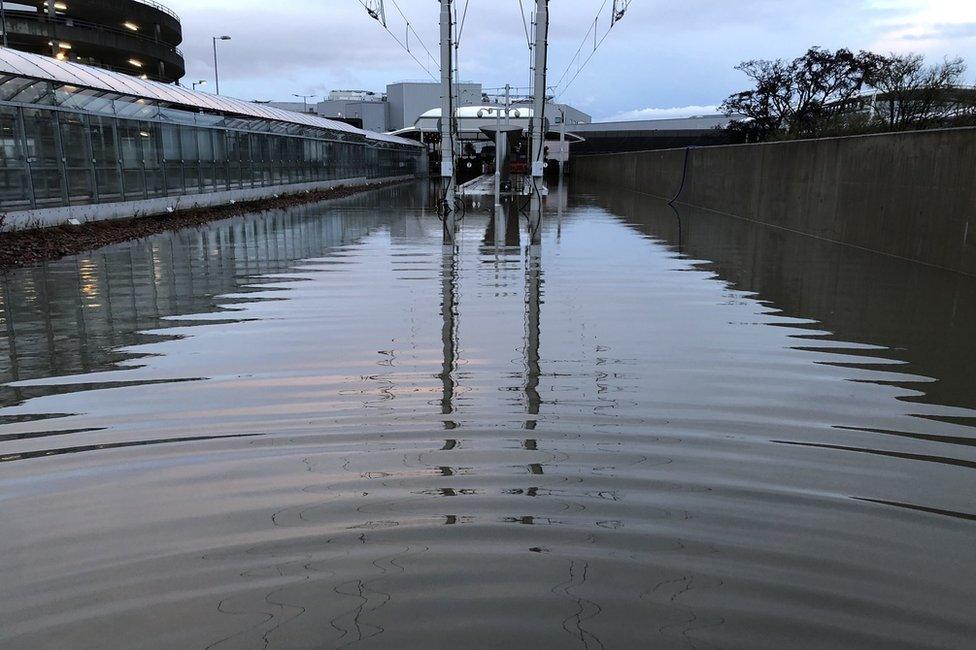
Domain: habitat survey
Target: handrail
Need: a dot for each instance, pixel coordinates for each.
(87, 24)
(163, 8)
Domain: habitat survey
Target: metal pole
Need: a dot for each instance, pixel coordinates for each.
(562, 141)
(52, 16)
(538, 117)
(3, 19)
(498, 157)
(216, 72)
(508, 103)
(447, 119)
(449, 342)
(533, 333)
(539, 87)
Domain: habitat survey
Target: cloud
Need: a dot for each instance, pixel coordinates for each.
(944, 31)
(662, 113)
(661, 54)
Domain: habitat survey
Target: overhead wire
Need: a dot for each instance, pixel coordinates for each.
(583, 42)
(401, 44)
(615, 18)
(464, 16)
(410, 27)
(580, 69)
(525, 25)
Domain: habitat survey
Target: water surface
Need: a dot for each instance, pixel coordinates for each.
(320, 427)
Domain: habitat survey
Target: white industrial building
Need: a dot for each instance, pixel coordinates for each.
(405, 101)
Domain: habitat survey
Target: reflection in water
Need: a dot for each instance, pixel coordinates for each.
(533, 304)
(907, 313)
(322, 427)
(449, 330)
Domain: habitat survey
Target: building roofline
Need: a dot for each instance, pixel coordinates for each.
(36, 66)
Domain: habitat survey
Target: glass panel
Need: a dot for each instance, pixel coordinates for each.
(176, 115)
(170, 139)
(274, 156)
(14, 192)
(41, 140)
(11, 139)
(220, 160)
(135, 108)
(27, 91)
(204, 138)
(77, 158)
(264, 142)
(93, 101)
(208, 119)
(188, 144)
(40, 134)
(151, 134)
(105, 156)
(191, 156)
(174, 178)
(232, 154)
(131, 138)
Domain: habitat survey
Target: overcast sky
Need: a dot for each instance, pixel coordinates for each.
(665, 58)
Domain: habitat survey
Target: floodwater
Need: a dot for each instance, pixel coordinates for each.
(319, 427)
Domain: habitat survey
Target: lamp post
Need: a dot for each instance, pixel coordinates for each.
(202, 82)
(305, 99)
(216, 73)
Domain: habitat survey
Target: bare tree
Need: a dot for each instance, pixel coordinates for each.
(912, 95)
(797, 98)
(826, 84)
(767, 106)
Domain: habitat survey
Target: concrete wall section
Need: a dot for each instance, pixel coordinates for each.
(911, 195)
(123, 210)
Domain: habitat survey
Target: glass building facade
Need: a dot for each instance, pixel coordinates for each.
(65, 144)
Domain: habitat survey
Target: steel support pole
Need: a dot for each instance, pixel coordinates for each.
(52, 16)
(498, 157)
(538, 118)
(216, 72)
(562, 142)
(501, 221)
(539, 87)
(449, 282)
(3, 19)
(447, 120)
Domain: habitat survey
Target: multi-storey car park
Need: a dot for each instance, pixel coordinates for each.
(74, 135)
(139, 37)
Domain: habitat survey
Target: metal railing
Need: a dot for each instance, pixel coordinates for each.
(12, 15)
(159, 7)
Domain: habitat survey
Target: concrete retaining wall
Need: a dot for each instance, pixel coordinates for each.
(44, 217)
(911, 195)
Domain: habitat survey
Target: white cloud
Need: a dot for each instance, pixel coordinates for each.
(303, 46)
(662, 113)
(931, 25)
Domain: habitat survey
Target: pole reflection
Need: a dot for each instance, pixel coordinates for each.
(449, 331)
(533, 331)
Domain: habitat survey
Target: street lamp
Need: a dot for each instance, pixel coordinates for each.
(202, 82)
(305, 99)
(216, 73)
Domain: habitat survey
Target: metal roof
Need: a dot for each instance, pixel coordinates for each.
(471, 112)
(36, 66)
(698, 122)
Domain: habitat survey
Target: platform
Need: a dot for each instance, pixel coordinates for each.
(484, 185)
